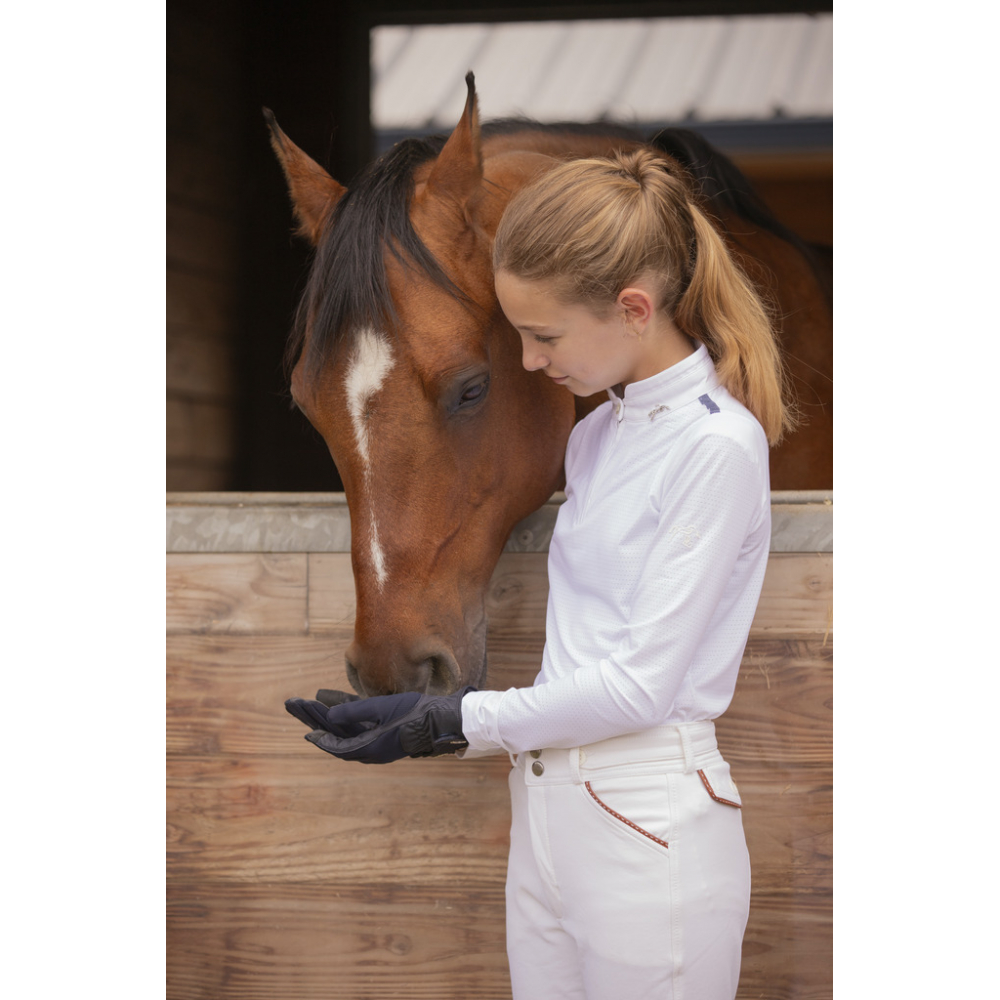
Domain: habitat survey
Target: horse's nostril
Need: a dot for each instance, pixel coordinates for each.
(440, 674)
(427, 667)
(355, 678)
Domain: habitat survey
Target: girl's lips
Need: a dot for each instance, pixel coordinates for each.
(559, 380)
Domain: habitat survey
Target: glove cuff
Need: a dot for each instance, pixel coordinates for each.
(437, 729)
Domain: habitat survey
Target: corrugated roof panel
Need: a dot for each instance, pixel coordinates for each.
(588, 68)
(707, 69)
(510, 69)
(669, 75)
(739, 87)
(783, 58)
(810, 92)
(418, 87)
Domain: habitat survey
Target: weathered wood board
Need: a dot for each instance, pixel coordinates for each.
(203, 254)
(294, 875)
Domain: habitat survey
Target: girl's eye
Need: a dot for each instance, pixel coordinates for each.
(543, 340)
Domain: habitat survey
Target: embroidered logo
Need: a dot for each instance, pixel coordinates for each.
(687, 535)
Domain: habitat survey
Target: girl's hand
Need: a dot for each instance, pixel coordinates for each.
(383, 729)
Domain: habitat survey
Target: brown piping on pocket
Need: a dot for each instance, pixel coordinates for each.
(627, 822)
(711, 791)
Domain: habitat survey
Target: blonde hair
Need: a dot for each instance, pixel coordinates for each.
(593, 226)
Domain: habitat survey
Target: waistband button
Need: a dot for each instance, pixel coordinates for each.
(538, 768)
(536, 753)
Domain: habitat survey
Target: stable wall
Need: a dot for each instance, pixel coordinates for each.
(204, 211)
(294, 875)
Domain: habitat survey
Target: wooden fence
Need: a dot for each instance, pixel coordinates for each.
(293, 875)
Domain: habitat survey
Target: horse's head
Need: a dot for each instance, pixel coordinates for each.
(407, 367)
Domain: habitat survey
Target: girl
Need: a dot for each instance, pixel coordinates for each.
(628, 873)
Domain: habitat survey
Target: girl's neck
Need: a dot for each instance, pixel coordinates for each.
(662, 346)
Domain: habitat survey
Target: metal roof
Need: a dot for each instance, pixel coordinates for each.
(754, 69)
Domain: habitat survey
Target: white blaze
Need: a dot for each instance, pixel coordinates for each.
(371, 361)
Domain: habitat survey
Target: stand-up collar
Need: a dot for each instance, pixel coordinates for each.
(667, 390)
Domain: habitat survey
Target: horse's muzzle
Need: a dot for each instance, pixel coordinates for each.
(427, 668)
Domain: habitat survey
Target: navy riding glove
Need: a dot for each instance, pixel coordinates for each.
(383, 729)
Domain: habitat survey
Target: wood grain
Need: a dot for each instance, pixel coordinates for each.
(200, 367)
(275, 940)
(232, 685)
(296, 875)
(796, 599)
(200, 305)
(236, 593)
(371, 942)
(309, 819)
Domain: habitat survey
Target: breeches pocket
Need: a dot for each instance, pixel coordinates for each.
(655, 808)
(637, 807)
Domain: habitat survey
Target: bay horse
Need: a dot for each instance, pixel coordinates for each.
(403, 361)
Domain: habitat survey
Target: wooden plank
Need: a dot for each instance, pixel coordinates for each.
(236, 593)
(203, 178)
(320, 522)
(298, 941)
(200, 242)
(788, 820)
(204, 305)
(227, 681)
(193, 474)
(200, 367)
(226, 690)
(332, 603)
(373, 942)
(782, 708)
(796, 599)
(200, 429)
(308, 817)
(788, 949)
(515, 600)
(797, 596)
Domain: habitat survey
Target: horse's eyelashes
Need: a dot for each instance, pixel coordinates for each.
(473, 394)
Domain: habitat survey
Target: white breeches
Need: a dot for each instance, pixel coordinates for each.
(628, 877)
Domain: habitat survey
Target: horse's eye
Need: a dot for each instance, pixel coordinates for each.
(473, 394)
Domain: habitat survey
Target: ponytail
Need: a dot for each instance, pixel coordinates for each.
(592, 226)
(720, 308)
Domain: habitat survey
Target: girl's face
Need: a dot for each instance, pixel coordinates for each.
(573, 345)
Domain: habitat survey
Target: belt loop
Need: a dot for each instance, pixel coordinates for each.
(689, 762)
(575, 760)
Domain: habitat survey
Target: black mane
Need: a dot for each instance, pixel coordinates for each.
(347, 285)
(720, 182)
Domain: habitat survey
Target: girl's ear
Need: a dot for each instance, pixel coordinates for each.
(637, 307)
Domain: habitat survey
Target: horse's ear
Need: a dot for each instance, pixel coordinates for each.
(458, 171)
(314, 192)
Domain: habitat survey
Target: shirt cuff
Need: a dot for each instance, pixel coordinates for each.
(479, 723)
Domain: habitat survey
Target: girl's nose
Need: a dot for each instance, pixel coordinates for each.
(533, 359)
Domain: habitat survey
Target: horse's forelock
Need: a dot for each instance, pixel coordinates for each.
(348, 288)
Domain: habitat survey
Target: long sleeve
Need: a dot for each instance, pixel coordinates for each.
(702, 572)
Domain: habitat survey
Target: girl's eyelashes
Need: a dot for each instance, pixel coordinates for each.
(539, 339)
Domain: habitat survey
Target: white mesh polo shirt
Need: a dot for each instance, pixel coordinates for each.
(655, 568)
